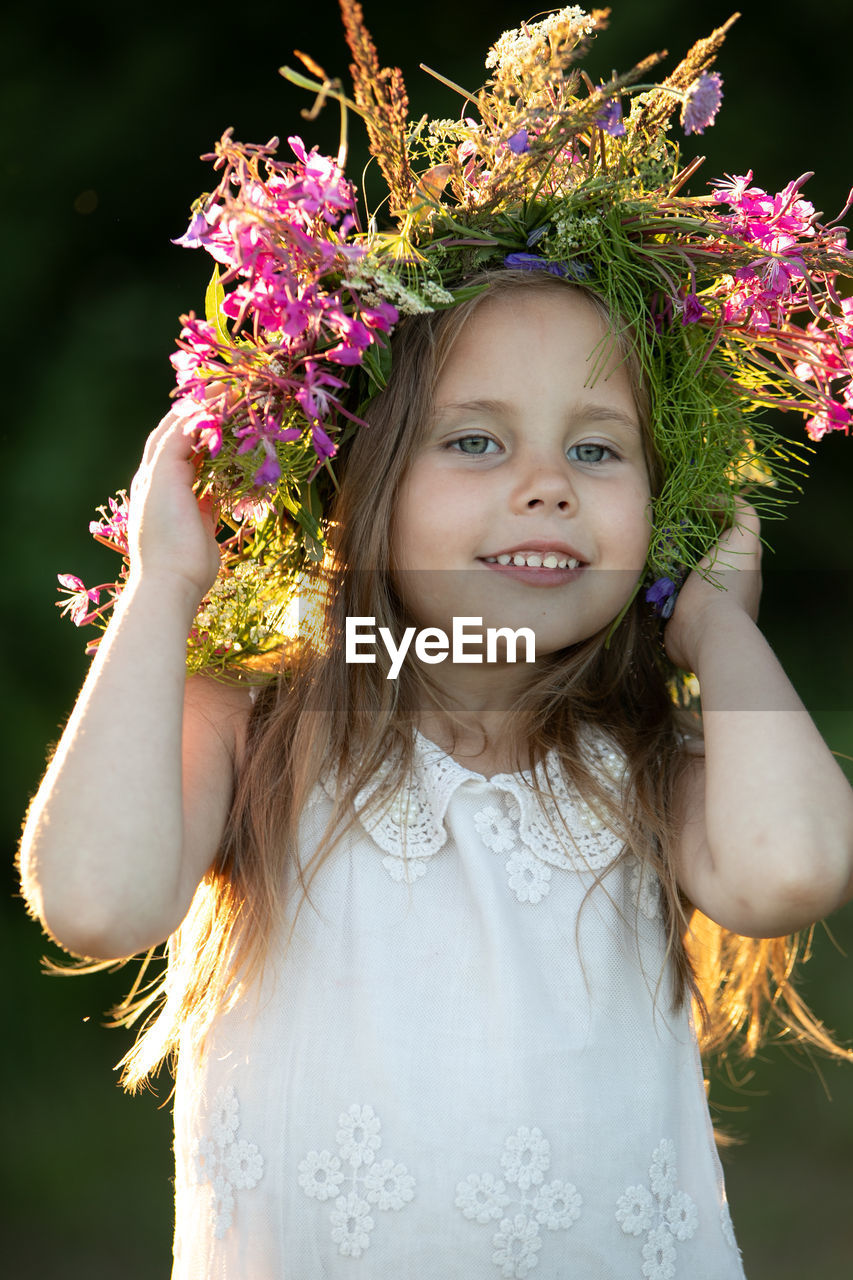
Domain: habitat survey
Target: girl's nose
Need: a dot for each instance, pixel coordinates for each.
(546, 488)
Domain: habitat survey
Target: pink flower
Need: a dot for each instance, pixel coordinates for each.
(316, 393)
(323, 445)
(111, 529)
(834, 417)
(319, 185)
(79, 598)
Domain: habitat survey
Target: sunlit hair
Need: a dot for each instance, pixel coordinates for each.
(323, 713)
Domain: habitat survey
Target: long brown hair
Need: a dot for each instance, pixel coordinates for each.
(322, 712)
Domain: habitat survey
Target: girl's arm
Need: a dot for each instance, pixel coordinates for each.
(131, 810)
(767, 817)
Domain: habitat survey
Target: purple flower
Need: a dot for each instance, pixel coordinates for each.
(662, 594)
(609, 119)
(693, 309)
(519, 142)
(268, 472)
(533, 262)
(702, 102)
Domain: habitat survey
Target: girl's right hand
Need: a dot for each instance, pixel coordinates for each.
(171, 532)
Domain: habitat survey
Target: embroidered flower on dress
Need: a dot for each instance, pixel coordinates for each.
(516, 1242)
(381, 1184)
(727, 1227)
(358, 1136)
(659, 1255)
(495, 829)
(663, 1171)
(528, 877)
(635, 1211)
(225, 1117)
(558, 1205)
(386, 1184)
(401, 868)
(526, 1157)
(482, 1196)
(244, 1164)
(227, 1163)
(555, 1205)
(320, 1175)
(351, 1224)
(664, 1214)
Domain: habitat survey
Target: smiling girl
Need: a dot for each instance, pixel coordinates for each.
(441, 948)
(428, 1056)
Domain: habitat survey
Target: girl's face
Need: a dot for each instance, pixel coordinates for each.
(527, 503)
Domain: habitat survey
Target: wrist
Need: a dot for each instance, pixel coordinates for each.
(162, 590)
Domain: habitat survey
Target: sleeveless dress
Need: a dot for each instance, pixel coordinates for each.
(465, 1065)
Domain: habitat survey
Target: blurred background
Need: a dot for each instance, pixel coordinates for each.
(106, 110)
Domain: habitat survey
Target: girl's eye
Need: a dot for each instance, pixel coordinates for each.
(589, 453)
(474, 446)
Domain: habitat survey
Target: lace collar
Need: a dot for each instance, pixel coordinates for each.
(553, 822)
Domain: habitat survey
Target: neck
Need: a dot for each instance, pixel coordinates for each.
(474, 721)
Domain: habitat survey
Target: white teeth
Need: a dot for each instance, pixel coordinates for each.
(534, 560)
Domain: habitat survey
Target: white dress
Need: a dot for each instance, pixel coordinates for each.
(465, 1066)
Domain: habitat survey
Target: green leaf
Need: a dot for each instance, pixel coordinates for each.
(213, 300)
(377, 362)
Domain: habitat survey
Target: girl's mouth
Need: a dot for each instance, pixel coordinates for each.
(536, 568)
(534, 560)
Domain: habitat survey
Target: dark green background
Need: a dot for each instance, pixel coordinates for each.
(105, 111)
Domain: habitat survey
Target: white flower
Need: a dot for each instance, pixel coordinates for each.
(400, 869)
(351, 1224)
(516, 1244)
(634, 1211)
(659, 1255)
(662, 1173)
(205, 1159)
(528, 877)
(225, 1116)
(526, 1157)
(681, 1215)
(227, 1163)
(557, 1204)
(358, 1135)
(515, 48)
(727, 1226)
(320, 1175)
(244, 1164)
(223, 1206)
(388, 1185)
(482, 1197)
(664, 1214)
(494, 829)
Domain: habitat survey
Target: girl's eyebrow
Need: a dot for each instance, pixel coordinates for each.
(582, 412)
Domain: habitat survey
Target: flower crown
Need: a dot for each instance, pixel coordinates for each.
(731, 299)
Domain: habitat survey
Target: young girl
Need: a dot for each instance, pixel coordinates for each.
(436, 940)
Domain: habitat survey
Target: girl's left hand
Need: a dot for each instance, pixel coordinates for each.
(735, 564)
